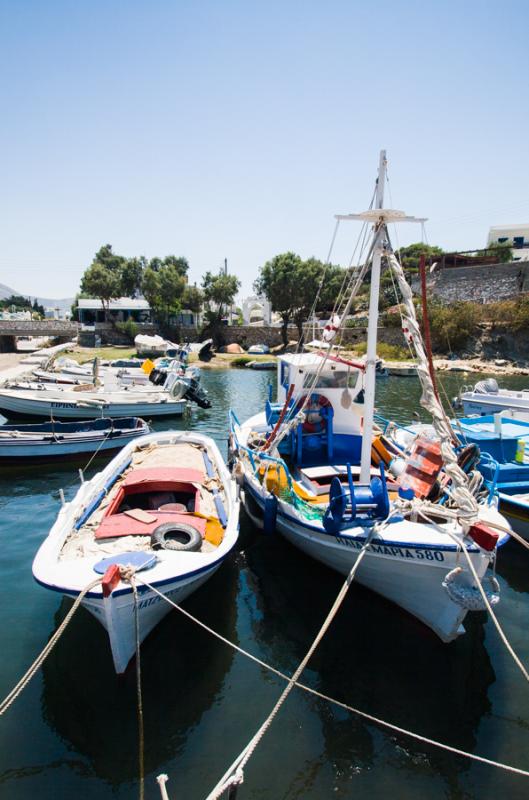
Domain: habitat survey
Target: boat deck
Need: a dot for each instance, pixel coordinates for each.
(94, 536)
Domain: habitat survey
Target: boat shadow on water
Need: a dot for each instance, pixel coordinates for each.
(183, 669)
(374, 657)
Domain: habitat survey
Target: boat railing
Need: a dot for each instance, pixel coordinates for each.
(487, 460)
(280, 464)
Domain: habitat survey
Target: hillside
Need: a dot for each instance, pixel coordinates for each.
(47, 302)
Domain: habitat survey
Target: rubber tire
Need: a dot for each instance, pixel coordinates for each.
(160, 540)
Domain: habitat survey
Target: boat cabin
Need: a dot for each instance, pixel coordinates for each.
(332, 428)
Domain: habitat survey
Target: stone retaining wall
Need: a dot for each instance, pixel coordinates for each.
(486, 284)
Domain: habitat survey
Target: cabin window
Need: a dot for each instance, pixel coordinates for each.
(337, 379)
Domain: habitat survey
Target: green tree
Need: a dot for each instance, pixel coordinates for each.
(410, 256)
(308, 277)
(500, 250)
(219, 294)
(172, 286)
(151, 289)
(163, 289)
(101, 282)
(132, 276)
(107, 258)
(278, 281)
(193, 299)
(180, 264)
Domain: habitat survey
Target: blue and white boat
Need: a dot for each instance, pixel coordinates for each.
(59, 441)
(311, 465)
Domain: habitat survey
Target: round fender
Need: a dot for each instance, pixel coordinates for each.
(176, 536)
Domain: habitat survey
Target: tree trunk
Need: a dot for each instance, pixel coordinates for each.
(299, 326)
(284, 331)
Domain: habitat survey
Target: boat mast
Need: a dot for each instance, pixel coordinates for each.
(379, 218)
(371, 356)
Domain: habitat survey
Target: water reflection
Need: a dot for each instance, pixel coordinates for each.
(183, 669)
(374, 657)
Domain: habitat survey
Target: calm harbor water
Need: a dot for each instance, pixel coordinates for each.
(72, 733)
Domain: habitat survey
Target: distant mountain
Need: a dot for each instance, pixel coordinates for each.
(47, 302)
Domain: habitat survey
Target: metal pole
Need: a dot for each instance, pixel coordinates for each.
(371, 356)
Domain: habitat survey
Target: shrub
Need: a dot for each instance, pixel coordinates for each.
(129, 328)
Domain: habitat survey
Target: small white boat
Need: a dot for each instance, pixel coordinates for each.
(150, 345)
(83, 403)
(258, 349)
(55, 441)
(166, 505)
(487, 398)
(261, 365)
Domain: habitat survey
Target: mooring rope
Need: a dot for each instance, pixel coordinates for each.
(23, 682)
(162, 779)
(235, 774)
(128, 574)
(479, 586)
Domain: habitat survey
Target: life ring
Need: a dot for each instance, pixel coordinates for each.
(314, 422)
(176, 536)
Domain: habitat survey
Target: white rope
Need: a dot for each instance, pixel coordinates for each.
(497, 625)
(466, 503)
(28, 675)
(321, 696)
(243, 758)
(128, 574)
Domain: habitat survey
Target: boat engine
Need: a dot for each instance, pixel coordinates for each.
(197, 395)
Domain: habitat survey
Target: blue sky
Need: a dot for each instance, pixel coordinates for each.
(238, 129)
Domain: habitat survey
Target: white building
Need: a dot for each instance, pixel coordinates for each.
(516, 236)
(124, 308)
(256, 310)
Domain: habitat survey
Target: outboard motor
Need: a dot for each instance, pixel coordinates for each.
(157, 376)
(197, 395)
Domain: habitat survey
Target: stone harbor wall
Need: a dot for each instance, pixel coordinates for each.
(486, 284)
(245, 335)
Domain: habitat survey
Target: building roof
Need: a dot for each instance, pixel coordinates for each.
(120, 304)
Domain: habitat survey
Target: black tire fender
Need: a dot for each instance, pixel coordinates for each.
(176, 536)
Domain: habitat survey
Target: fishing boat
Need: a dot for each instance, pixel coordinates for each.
(314, 466)
(85, 401)
(487, 398)
(57, 441)
(166, 508)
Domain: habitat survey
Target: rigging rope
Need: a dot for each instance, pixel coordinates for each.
(28, 675)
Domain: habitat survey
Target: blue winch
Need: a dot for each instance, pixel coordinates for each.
(360, 503)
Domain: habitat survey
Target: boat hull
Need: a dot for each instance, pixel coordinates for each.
(517, 513)
(19, 407)
(22, 452)
(409, 576)
(117, 612)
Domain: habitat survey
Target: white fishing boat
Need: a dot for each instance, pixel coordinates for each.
(487, 398)
(166, 506)
(81, 402)
(314, 466)
(58, 441)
